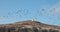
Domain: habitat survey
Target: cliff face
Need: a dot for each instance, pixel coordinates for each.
(29, 26)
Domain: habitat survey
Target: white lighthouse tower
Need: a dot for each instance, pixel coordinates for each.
(33, 19)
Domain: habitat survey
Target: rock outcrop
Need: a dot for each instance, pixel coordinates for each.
(29, 26)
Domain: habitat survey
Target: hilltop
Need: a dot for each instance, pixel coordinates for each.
(30, 24)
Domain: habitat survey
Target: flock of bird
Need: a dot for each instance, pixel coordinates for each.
(19, 13)
(24, 12)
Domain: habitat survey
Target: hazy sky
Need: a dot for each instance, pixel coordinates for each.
(45, 11)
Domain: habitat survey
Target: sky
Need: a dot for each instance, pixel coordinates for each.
(45, 11)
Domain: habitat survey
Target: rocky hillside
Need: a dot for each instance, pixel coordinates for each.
(29, 26)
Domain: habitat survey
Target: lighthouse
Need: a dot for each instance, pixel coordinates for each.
(33, 19)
